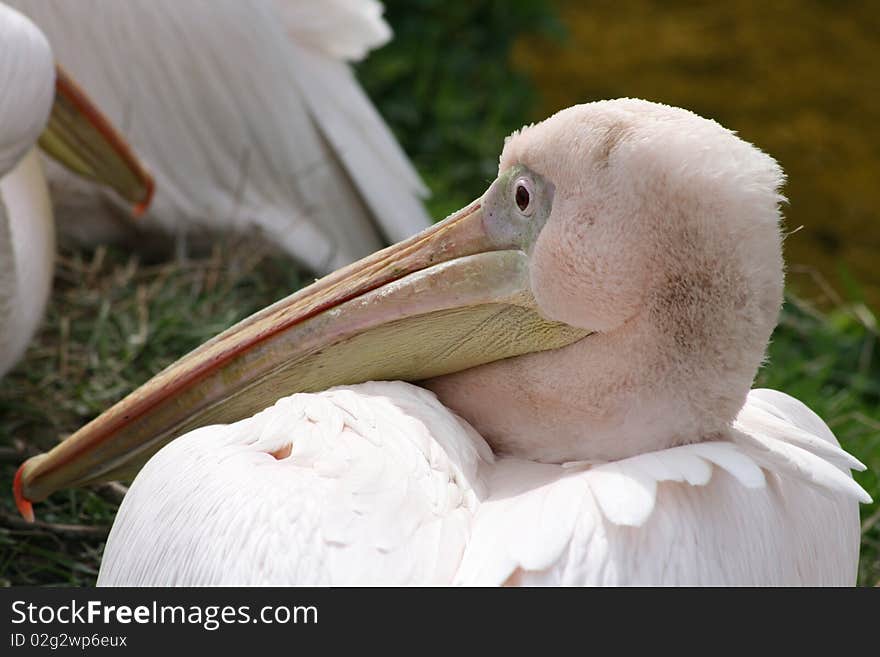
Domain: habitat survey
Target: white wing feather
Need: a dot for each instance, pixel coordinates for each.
(776, 423)
(808, 452)
(515, 525)
(695, 514)
(625, 494)
(342, 29)
(366, 495)
(378, 168)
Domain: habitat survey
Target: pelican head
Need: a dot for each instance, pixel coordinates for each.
(663, 242)
(612, 292)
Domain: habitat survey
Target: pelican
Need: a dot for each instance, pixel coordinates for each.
(249, 117)
(79, 137)
(551, 386)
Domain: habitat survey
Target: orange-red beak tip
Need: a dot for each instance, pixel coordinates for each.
(25, 508)
(140, 208)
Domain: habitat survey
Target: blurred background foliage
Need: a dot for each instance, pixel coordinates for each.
(796, 78)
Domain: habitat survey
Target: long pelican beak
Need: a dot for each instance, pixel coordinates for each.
(448, 299)
(80, 137)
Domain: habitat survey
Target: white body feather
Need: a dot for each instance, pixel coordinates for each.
(380, 484)
(248, 116)
(27, 231)
(27, 256)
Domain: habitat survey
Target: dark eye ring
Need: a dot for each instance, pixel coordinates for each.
(523, 196)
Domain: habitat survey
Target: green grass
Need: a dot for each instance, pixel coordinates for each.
(831, 362)
(113, 323)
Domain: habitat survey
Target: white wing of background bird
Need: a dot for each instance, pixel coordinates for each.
(342, 29)
(27, 256)
(27, 236)
(246, 114)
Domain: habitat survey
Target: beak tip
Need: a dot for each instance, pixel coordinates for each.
(140, 208)
(25, 508)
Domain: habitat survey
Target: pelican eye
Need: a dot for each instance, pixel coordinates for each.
(523, 196)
